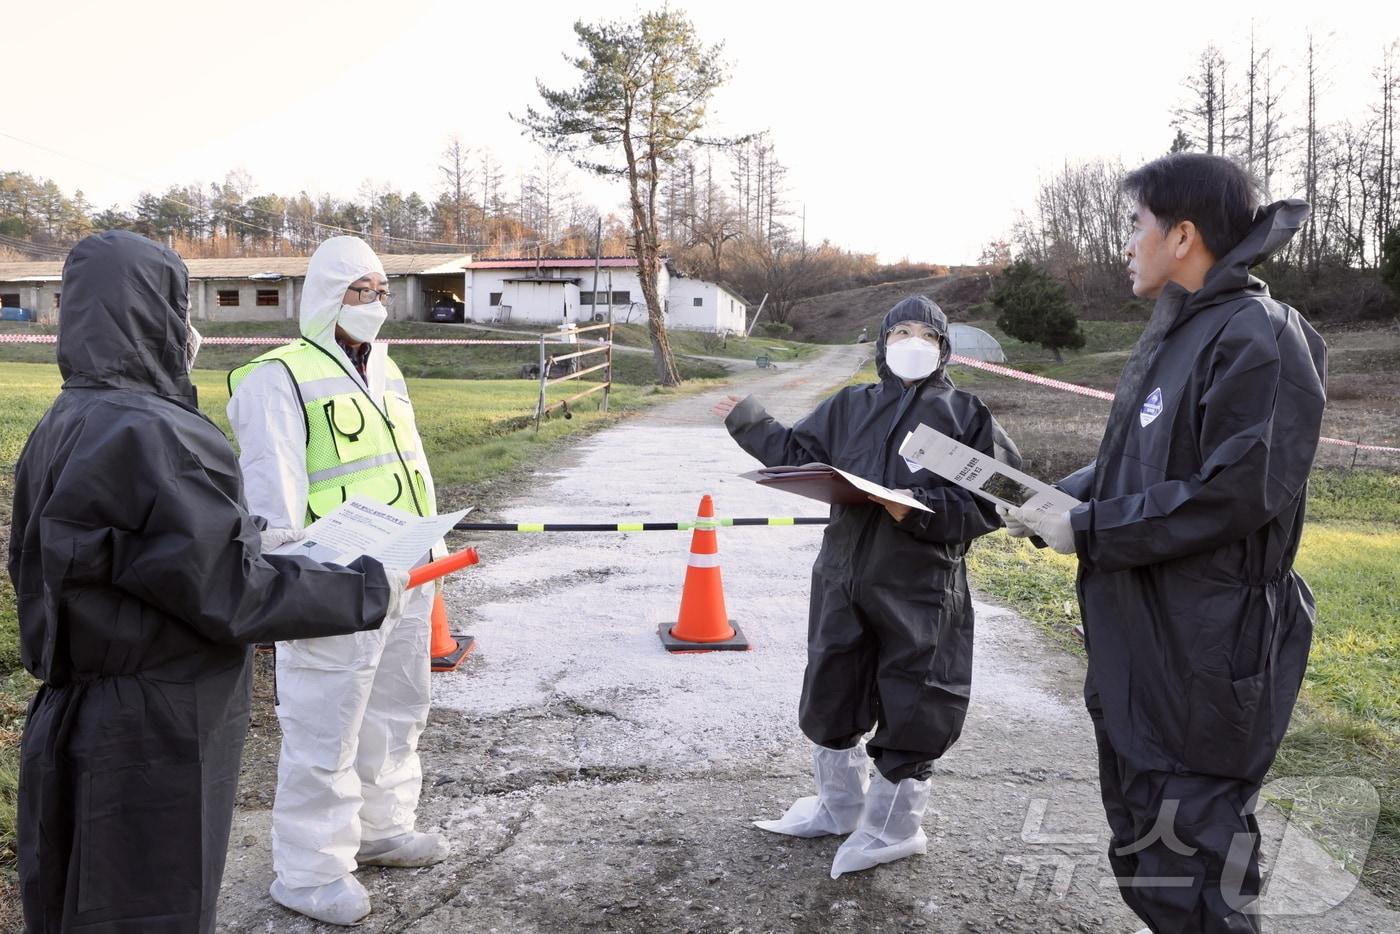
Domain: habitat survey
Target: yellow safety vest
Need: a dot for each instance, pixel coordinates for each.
(352, 445)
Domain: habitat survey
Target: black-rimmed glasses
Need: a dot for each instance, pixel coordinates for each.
(368, 295)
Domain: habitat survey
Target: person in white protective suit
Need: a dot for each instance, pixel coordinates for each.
(318, 420)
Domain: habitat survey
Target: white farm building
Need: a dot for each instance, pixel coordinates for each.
(552, 291)
(546, 291)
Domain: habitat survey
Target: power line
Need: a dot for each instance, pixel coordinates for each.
(41, 249)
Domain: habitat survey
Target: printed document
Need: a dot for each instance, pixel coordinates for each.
(984, 475)
(362, 526)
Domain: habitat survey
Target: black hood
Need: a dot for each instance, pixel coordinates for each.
(123, 322)
(913, 308)
(1274, 225)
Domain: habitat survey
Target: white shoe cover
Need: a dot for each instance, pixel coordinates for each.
(407, 849)
(889, 827)
(343, 901)
(842, 776)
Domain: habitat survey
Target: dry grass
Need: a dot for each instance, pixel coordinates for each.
(1056, 432)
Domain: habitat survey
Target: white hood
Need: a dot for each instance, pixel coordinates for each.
(336, 263)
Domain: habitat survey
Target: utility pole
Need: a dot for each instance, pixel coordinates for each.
(597, 262)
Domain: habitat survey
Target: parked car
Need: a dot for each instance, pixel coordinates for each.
(446, 309)
(11, 313)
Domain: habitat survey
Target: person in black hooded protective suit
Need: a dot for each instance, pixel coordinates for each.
(141, 586)
(1196, 626)
(890, 629)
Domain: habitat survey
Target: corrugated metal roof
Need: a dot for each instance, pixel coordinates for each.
(30, 271)
(244, 267)
(552, 262)
(425, 264)
(395, 264)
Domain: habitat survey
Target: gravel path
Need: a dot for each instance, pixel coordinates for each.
(589, 781)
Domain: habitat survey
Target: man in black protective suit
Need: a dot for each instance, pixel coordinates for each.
(141, 586)
(890, 626)
(1196, 626)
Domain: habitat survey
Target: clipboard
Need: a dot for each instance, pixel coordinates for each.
(827, 484)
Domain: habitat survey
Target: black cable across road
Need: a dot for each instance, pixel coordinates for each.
(637, 526)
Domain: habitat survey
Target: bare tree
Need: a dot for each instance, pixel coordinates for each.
(457, 177)
(1202, 117)
(1271, 132)
(491, 206)
(543, 191)
(1251, 102)
(713, 223)
(1309, 240)
(1384, 170)
(1079, 228)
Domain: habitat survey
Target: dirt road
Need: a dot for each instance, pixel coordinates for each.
(591, 782)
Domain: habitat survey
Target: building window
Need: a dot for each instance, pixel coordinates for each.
(9, 300)
(618, 298)
(495, 299)
(268, 298)
(228, 298)
(57, 297)
(698, 302)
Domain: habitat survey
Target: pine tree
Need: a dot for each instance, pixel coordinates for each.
(1035, 309)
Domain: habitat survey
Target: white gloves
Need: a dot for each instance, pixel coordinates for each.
(275, 538)
(1053, 528)
(1014, 526)
(398, 583)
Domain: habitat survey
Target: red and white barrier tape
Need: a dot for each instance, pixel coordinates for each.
(1032, 378)
(1108, 396)
(955, 358)
(276, 341)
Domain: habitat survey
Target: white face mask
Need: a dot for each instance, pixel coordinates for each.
(192, 342)
(913, 358)
(362, 322)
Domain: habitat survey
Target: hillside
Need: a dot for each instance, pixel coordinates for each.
(837, 317)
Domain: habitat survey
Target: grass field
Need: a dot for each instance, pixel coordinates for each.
(440, 362)
(712, 345)
(470, 362)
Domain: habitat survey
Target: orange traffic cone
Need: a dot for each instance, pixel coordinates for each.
(447, 649)
(704, 626)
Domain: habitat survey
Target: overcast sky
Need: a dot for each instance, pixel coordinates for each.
(912, 129)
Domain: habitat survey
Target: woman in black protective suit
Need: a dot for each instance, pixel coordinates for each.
(889, 641)
(141, 586)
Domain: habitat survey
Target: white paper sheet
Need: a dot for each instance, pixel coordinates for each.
(823, 474)
(363, 527)
(874, 489)
(986, 476)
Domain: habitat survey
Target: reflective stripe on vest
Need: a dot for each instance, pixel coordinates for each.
(352, 445)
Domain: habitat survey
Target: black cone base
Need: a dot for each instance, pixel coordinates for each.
(466, 645)
(671, 644)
